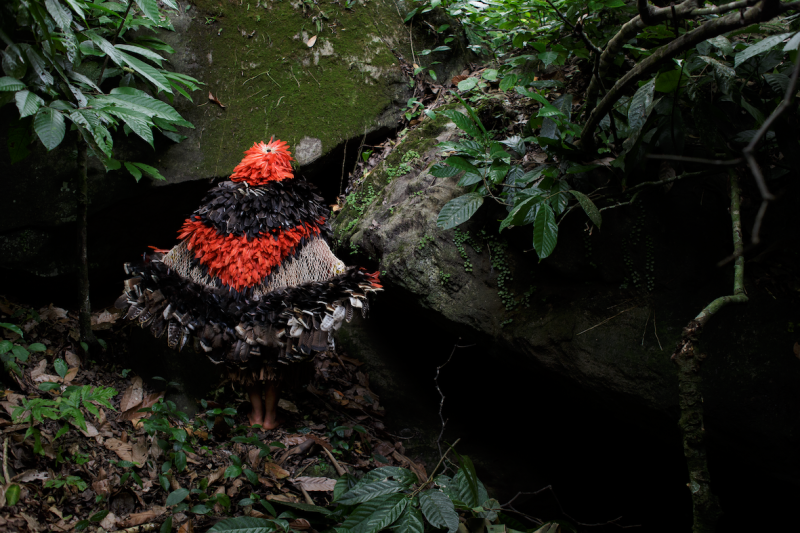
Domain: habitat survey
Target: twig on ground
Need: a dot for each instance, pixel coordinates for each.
(656, 330)
(561, 508)
(5, 461)
(645, 328)
(606, 320)
(435, 468)
(309, 501)
(339, 470)
(441, 403)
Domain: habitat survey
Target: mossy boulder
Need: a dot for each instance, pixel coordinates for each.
(354, 80)
(577, 316)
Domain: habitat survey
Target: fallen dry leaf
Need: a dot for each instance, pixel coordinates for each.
(52, 313)
(104, 317)
(140, 518)
(109, 522)
(216, 475)
(39, 369)
(124, 450)
(188, 527)
(102, 487)
(320, 484)
(70, 375)
(283, 498)
(276, 471)
(458, 79)
(31, 475)
(286, 405)
(311, 41)
(133, 395)
(214, 99)
(139, 453)
(72, 359)
(300, 524)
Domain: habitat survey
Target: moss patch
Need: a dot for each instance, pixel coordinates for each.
(255, 59)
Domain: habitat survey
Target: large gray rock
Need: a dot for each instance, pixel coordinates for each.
(353, 82)
(570, 317)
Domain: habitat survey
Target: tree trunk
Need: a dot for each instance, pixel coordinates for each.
(82, 191)
(687, 356)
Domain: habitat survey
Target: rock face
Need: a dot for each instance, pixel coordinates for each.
(353, 81)
(568, 317)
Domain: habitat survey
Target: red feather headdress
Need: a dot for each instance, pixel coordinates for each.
(264, 163)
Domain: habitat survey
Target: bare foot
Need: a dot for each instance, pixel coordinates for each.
(256, 414)
(272, 424)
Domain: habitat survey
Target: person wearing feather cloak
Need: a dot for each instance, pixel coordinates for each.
(252, 283)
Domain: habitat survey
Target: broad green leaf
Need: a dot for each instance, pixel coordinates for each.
(12, 495)
(793, 43)
(49, 126)
(589, 208)
(7, 83)
(463, 122)
(722, 44)
(778, 82)
(754, 112)
(441, 49)
(97, 517)
(166, 527)
(548, 58)
(467, 84)
(667, 82)
(545, 232)
(5, 346)
(39, 66)
(460, 163)
(150, 9)
(106, 47)
(144, 52)
(438, 510)
(27, 103)
(549, 111)
(472, 481)
(764, 45)
(77, 76)
(145, 105)
(301, 506)
(376, 515)
(469, 178)
(459, 210)
(60, 14)
(508, 82)
(148, 72)
(13, 62)
(640, 103)
(243, 524)
(139, 123)
(559, 197)
(410, 521)
(21, 353)
(370, 491)
(343, 484)
(61, 367)
(441, 170)
(150, 171)
(177, 496)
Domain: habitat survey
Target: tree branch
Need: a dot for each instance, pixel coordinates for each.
(765, 10)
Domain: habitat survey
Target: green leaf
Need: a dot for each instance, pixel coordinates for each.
(545, 232)
(764, 45)
(343, 484)
(12, 495)
(200, 509)
(463, 122)
(438, 510)
(49, 126)
(141, 104)
(180, 461)
(97, 517)
(37, 347)
(150, 171)
(547, 58)
(370, 491)
(166, 527)
(667, 82)
(410, 521)
(137, 174)
(722, 44)
(470, 178)
(467, 84)
(12, 327)
(301, 506)
(460, 163)
(233, 471)
(177, 496)
(459, 210)
(20, 353)
(793, 43)
(589, 208)
(48, 386)
(148, 72)
(377, 514)
(106, 47)
(441, 170)
(7, 83)
(640, 103)
(60, 14)
(508, 82)
(472, 480)
(144, 52)
(243, 524)
(13, 62)
(150, 9)
(61, 367)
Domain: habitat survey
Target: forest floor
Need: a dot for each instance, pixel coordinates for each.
(80, 455)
